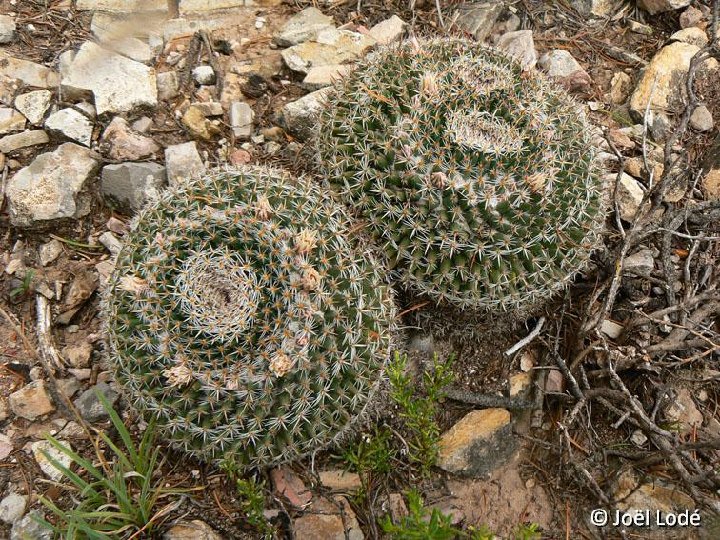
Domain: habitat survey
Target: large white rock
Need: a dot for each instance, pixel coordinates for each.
(42, 450)
(128, 6)
(183, 162)
(520, 45)
(188, 6)
(11, 120)
(659, 6)
(331, 46)
(302, 27)
(52, 186)
(300, 116)
(389, 30)
(30, 73)
(72, 125)
(34, 105)
(7, 29)
(119, 84)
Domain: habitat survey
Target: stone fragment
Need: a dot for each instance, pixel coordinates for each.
(209, 108)
(50, 251)
(641, 263)
(28, 528)
(182, 162)
(41, 448)
(118, 83)
(683, 412)
(478, 19)
(34, 105)
(143, 124)
(561, 65)
(78, 355)
(12, 508)
(389, 30)
(131, 185)
(340, 480)
(190, 6)
(30, 73)
(611, 329)
(11, 120)
(554, 381)
(479, 442)
(520, 384)
(629, 196)
(596, 8)
(290, 486)
(89, 405)
(653, 496)
(72, 125)
(692, 16)
(132, 47)
(6, 446)
(123, 6)
(68, 387)
(204, 75)
(520, 45)
(638, 438)
(693, 35)
(620, 88)
(193, 530)
(660, 6)
(124, 144)
(168, 85)
(321, 76)
(331, 46)
(396, 507)
(199, 126)
(31, 401)
(302, 27)
(701, 119)
(111, 243)
(18, 141)
(52, 186)
(7, 29)
(300, 116)
(239, 157)
(241, 120)
(324, 522)
(711, 185)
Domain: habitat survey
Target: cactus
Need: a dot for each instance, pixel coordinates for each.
(477, 179)
(246, 318)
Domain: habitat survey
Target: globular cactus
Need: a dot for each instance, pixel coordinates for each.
(245, 316)
(476, 178)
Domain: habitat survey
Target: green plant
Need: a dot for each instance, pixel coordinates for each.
(477, 179)
(247, 318)
(113, 500)
(419, 411)
(371, 453)
(22, 289)
(423, 524)
(527, 531)
(252, 498)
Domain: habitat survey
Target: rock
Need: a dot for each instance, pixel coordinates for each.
(204, 75)
(660, 6)
(30, 73)
(653, 496)
(34, 105)
(597, 8)
(331, 46)
(290, 486)
(701, 119)
(693, 35)
(209, 108)
(29, 529)
(339, 480)
(143, 124)
(31, 401)
(72, 125)
(300, 116)
(641, 263)
(50, 251)
(123, 6)
(389, 30)
(18, 141)
(638, 438)
(520, 384)
(620, 88)
(7, 29)
(90, 407)
(40, 448)
(241, 120)
(118, 83)
(168, 85)
(190, 6)
(193, 530)
(326, 522)
(478, 19)
(132, 47)
(561, 65)
(669, 67)
(611, 329)
(640, 28)
(477, 443)
(711, 185)
(692, 16)
(683, 412)
(6, 446)
(239, 157)
(52, 186)
(131, 185)
(620, 139)
(12, 508)
(199, 126)
(68, 387)
(396, 507)
(635, 166)
(302, 27)
(520, 45)
(11, 120)
(111, 243)
(320, 76)
(182, 162)
(78, 355)
(126, 144)
(629, 196)
(554, 381)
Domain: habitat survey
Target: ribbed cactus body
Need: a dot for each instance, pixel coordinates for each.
(246, 318)
(477, 179)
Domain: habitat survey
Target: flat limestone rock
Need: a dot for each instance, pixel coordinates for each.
(122, 6)
(30, 73)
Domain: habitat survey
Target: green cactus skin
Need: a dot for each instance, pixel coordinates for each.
(477, 179)
(246, 318)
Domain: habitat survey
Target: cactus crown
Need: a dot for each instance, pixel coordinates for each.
(245, 317)
(477, 179)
